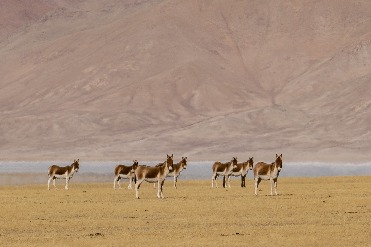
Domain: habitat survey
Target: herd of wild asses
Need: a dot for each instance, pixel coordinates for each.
(157, 174)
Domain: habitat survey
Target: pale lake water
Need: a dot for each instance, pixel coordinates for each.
(13, 173)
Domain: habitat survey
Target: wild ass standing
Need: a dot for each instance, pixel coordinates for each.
(177, 168)
(66, 172)
(122, 171)
(223, 169)
(153, 174)
(241, 170)
(268, 172)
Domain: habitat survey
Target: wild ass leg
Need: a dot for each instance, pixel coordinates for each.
(54, 183)
(137, 185)
(175, 180)
(162, 185)
(275, 186)
(272, 184)
(67, 179)
(257, 181)
(118, 182)
(159, 189)
(227, 181)
(114, 182)
(243, 179)
(213, 179)
(130, 179)
(50, 178)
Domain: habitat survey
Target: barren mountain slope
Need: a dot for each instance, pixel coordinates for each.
(112, 80)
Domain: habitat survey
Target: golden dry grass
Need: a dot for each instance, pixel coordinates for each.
(309, 212)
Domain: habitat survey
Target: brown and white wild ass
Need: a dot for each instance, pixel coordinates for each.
(268, 172)
(177, 168)
(223, 169)
(66, 172)
(241, 170)
(153, 174)
(122, 171)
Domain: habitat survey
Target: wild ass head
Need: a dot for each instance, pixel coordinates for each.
(170, 162)
(75, 165)
(278, 162)
(234, 162)
(250, 163)
(134, 166)
(183, 162)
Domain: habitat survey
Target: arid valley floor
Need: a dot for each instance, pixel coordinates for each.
(320, 211)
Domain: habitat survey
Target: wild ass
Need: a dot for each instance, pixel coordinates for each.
(241, 170)
(268, 172)
(177, 168)
(66, 172)
(223, 169)
(122, 171)
(153, 174)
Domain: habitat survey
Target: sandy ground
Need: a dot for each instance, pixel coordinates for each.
(308, 212)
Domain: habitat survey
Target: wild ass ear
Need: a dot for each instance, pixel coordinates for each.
(281, 155)
(276, 156)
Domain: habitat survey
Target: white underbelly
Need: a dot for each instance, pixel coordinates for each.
(236, 174)
(124, 176)
(151, 180)
(170, 174)
(221, 173)
(264, 177)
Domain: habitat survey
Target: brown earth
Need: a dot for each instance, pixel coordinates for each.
(327, 211)
(110, 80)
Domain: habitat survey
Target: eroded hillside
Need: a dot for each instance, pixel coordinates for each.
(210, 80)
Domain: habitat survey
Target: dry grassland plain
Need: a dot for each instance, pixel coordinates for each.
(325, 211)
